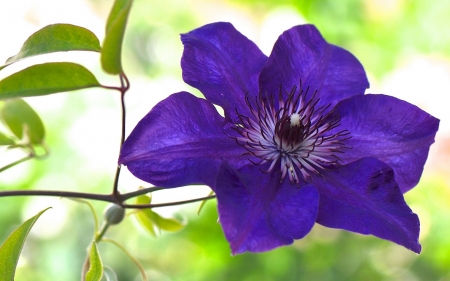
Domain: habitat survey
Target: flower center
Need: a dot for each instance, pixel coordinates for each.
(290, 130)
(291, 133)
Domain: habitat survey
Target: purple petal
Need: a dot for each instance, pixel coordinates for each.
(363, 197)
(180, 141)
(391, 130)
(258, 213)
(223, 64)
(301, 53)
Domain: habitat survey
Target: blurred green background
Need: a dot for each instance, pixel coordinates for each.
(404, 46)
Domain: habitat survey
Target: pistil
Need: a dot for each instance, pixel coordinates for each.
(293, 136)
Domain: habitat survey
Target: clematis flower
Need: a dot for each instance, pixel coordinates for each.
(300, 143)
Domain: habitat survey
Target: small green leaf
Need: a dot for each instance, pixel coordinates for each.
(57, 38)
(47, 78)
(144, 200)
(115, 29)
(95, 271)
(167, 224)
(5, 140)
(142, 217)
(151, 220)
(11, 248)
(20, 117)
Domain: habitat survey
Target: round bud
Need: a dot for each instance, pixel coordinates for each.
(114, 214)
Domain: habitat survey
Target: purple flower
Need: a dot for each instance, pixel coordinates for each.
(300, 142)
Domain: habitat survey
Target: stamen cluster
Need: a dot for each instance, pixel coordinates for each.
(292, 131)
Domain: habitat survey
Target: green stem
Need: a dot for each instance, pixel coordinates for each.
(139, 265)
(31, 156)
(94, 214)
(102, 232)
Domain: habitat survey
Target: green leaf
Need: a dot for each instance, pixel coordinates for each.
(5, 140)
(151, 220)
(168, 224)
(115, 29)
(142, 218)
(95, 271)
(21, 118)
(144, 199)
(11, 248)
(48, 78)
(57, 38)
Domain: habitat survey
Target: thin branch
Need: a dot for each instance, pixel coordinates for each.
(126, 196)
(142, 191)
(147, 206)
(99, 197)
(123, 89)
(57, 193)
(126, 82)
(111, 88)
(203, 204)
(102, 197)
(116, 193)
(125, 86)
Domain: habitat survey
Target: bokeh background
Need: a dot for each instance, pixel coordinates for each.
(404, 46)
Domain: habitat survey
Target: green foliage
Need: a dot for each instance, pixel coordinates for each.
(150, 220)
(95, 271)
(47, 78)
(115, 29)
(380, 41)
(167, 224)
(11, 248)
(57, 38)
(22, 120)
(5, 140)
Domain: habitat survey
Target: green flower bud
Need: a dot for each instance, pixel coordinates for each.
(114, 214)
